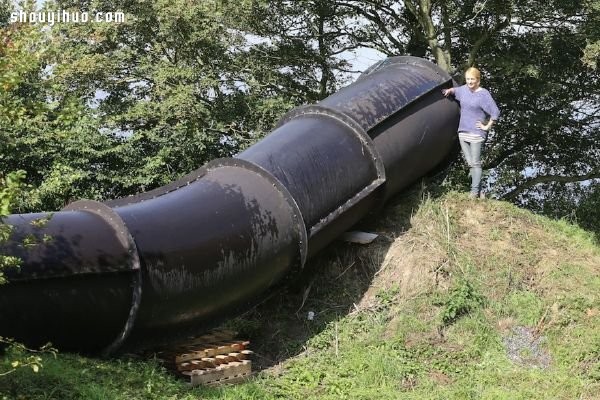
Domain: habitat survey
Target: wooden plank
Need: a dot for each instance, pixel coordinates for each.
(214, 362)
(211, 359)
(230, 381)
(210, 350)
(194, 364)
(220, 374)
(194, 355)
(211, 362)
(243, 355)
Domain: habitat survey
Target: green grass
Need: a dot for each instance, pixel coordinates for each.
(74, 377)
(484, 271)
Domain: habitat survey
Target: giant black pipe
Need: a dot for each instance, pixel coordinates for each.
(100, 275)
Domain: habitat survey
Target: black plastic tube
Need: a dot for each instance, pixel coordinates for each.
(102, 275)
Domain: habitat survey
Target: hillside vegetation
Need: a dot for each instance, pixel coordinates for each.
(456, 299)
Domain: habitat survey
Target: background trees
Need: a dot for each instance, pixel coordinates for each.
(168, 86)
(10, 187)
(530, 55)
(105, 110)
(45, 130)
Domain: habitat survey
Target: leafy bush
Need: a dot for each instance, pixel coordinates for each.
(10, 187)
(462, 299)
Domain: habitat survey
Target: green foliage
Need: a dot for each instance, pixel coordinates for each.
(591, 52)
(188, 94)
(18, 356)
(106, 110)
(387, 298)
(71, 377)
(10, 188)
(300, 44)
(5, 11)
(461, 300)
(44, 129)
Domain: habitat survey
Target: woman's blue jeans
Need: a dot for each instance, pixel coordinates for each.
(472, 154)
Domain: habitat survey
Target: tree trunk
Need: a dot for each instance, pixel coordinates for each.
(421, 9)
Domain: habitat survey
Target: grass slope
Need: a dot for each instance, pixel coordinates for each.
(457, 299)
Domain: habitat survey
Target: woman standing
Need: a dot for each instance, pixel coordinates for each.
(478, 112)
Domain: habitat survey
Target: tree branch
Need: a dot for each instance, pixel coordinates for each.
(377, 20)
(594, 174)
(483, 38)
(421, 9)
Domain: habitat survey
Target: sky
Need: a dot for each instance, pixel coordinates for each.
(364, 58)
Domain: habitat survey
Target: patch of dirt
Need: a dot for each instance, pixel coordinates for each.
(427, 338)
(440, 378)
(406, 267)
(412, 263)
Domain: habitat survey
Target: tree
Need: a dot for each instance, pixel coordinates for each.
(549, 130)
(592, 33)
(9, 189)
(301, 44)
(113, 109)
(171, 83)
(104, 110)
(529, 53)
(45, 130)
(127, 107)
(445, 31)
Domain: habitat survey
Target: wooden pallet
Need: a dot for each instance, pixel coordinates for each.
(211, 359)
(232, 372)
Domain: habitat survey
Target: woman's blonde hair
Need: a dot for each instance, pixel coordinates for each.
(473, 72)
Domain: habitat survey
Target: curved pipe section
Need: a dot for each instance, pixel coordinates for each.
(327, 162)
(213, 245)
(79, 279)
(96, 276)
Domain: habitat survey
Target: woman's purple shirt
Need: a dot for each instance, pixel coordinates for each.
(475, 106)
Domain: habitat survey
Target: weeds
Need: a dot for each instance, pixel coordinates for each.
(461, 300)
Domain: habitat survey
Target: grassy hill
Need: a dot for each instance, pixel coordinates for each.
(456, 299)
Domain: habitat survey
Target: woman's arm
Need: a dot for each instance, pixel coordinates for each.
(447, 92)
(485, 127)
